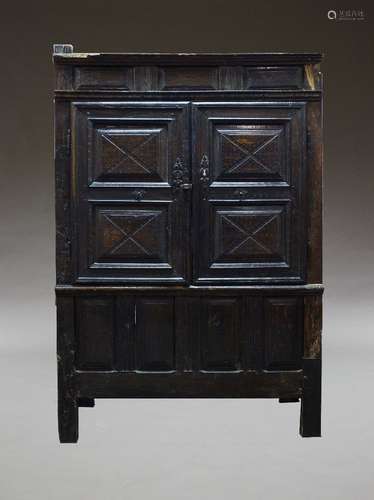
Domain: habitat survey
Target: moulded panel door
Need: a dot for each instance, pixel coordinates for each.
(131, 179)
(249, 171)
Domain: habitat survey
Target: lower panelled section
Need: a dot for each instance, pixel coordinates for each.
(159, 334)
(182, 343)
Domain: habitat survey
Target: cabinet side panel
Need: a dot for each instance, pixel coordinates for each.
(314, 182)
(313, 327)
(95, 317)
(155, 342)
(62, 188)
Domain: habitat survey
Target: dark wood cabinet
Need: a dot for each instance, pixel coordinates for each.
(188, 222)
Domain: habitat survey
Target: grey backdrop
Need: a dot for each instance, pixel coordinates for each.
(196, 449)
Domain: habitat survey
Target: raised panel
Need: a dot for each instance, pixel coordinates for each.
(129, 153)
(283, 333)
(220, 335)
(155, 339)
(95, 333)
(245, 152)
(253, 239)
(119, 144)
(129, 234)
(252, 235)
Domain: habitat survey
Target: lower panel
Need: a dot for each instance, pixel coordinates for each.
(154, 334)
(95, 327)
(192, 385)
(220, 334)
(283, 321)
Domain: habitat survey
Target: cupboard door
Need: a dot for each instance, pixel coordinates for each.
(130, 176)
(249, 173)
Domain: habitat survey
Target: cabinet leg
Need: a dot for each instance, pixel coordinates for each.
(67, 399)
(67, 420)
(310, 416)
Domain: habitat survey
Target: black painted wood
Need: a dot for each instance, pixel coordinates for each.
(188, 217)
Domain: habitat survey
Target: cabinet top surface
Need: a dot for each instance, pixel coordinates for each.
(63, 54)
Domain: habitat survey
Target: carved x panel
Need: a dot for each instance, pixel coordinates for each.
(249, 152)
(129, 154)
(250, 234)
(131, 235)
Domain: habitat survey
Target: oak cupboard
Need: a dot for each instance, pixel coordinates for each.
(188, 228)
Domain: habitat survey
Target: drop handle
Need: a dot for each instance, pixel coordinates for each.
(186, 186)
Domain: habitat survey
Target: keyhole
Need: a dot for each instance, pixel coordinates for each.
(241, 193)
(139, 195)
